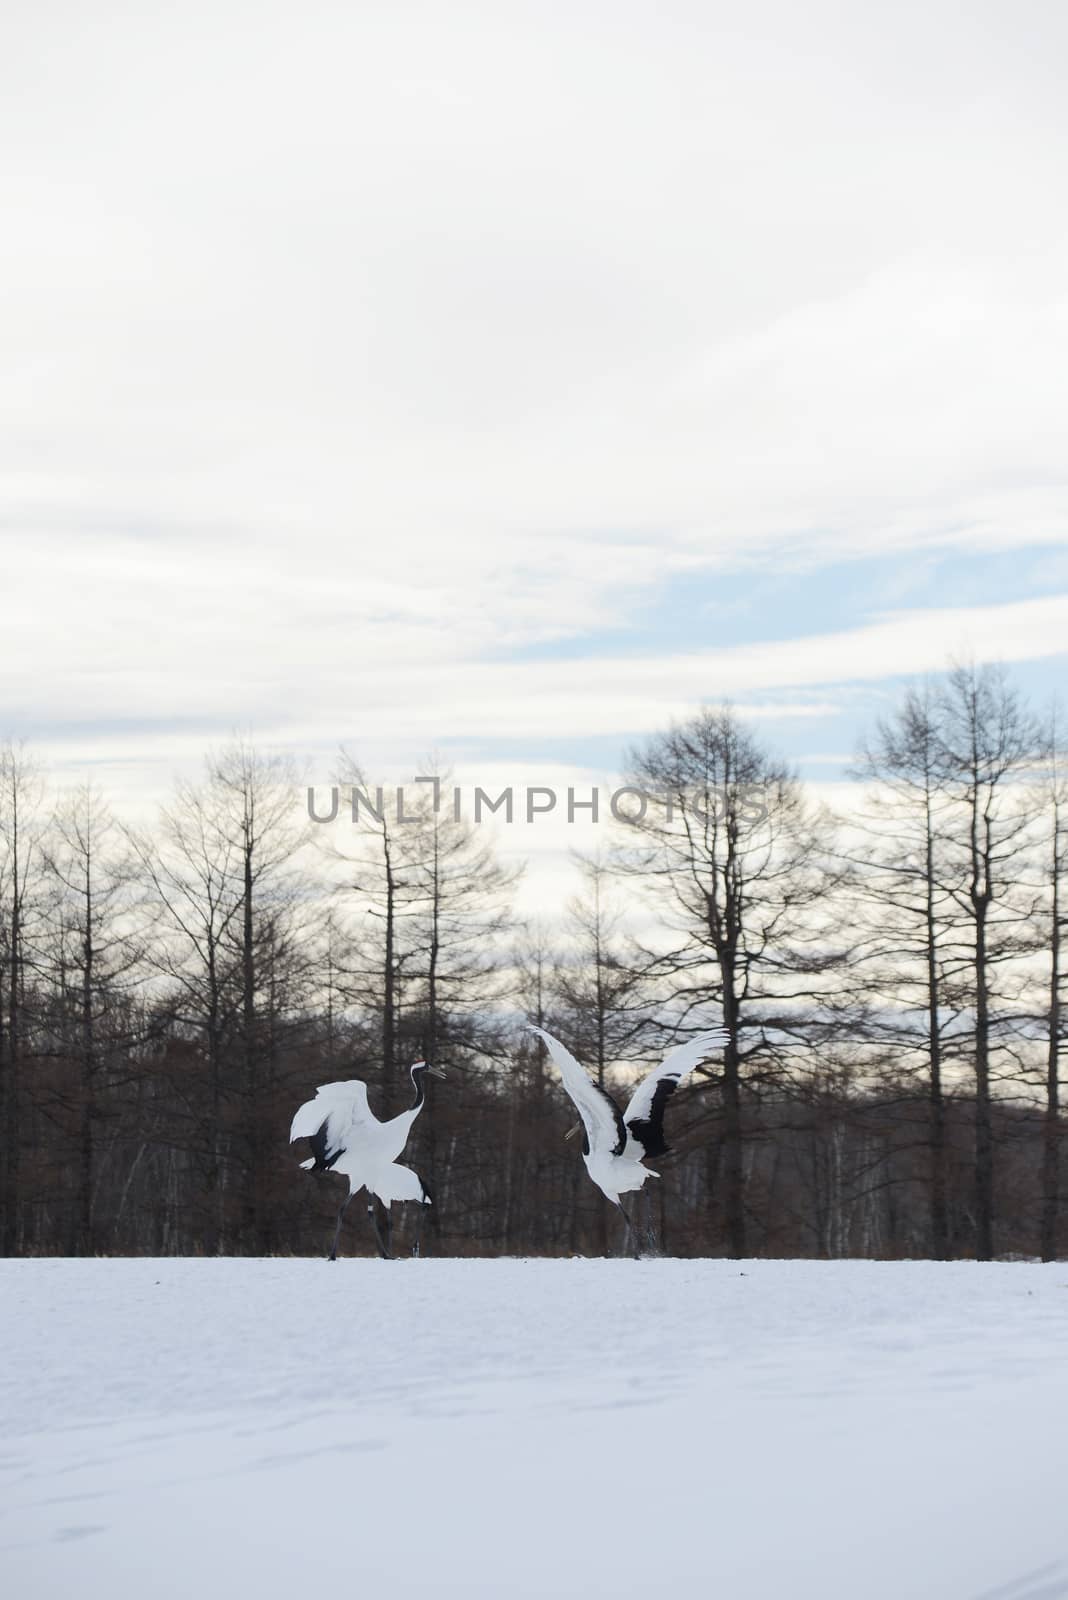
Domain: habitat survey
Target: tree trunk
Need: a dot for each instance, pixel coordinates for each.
(389, 1018)
(88, 1084)
(939, 1211)
(733, 1167)
(11, 1131)
(984, 1135)
(1052, 1123)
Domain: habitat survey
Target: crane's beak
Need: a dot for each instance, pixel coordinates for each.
(436, 1072)
(571, 1132)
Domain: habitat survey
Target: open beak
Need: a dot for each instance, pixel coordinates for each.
(571, 1132)
(437, 1072)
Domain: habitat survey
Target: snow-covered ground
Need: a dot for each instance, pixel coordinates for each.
(846, 1431)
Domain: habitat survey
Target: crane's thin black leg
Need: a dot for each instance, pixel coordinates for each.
(382, 1250)
(650, 1231)
(389, 1232)
(417, 1247)
(337, 1231)
(632, 1235)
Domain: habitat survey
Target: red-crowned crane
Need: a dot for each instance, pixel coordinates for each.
(347, 1137)
(615, 1143)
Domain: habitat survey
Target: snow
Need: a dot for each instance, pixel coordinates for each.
(869, 1431)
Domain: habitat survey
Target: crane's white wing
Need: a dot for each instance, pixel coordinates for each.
(397, 1183)
(330, 1119)
(644, 1116)
(605, 1133)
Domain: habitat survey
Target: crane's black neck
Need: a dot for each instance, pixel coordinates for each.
(418, 1084)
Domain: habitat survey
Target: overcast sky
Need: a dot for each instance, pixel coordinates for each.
(507, 379)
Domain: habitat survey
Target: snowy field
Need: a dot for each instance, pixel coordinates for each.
(859, 1431)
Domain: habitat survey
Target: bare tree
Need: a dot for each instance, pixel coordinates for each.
(97, 953)
(22, 827)
(905, 891)
(440, 916)
(1056, 817)
(740, 869)
(192, 875)
(255, 813)
(375, 872)
(460, 918)
(989, 746)
(602, 983)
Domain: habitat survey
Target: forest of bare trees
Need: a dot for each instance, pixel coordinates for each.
(890, 979)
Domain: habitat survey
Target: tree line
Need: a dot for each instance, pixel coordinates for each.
(890, 980)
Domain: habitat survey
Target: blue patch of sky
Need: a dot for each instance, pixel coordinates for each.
(820, 748)
(709, 608)
(717, 609)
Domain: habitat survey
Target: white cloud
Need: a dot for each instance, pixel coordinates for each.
(396, 709)
(347, 347)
